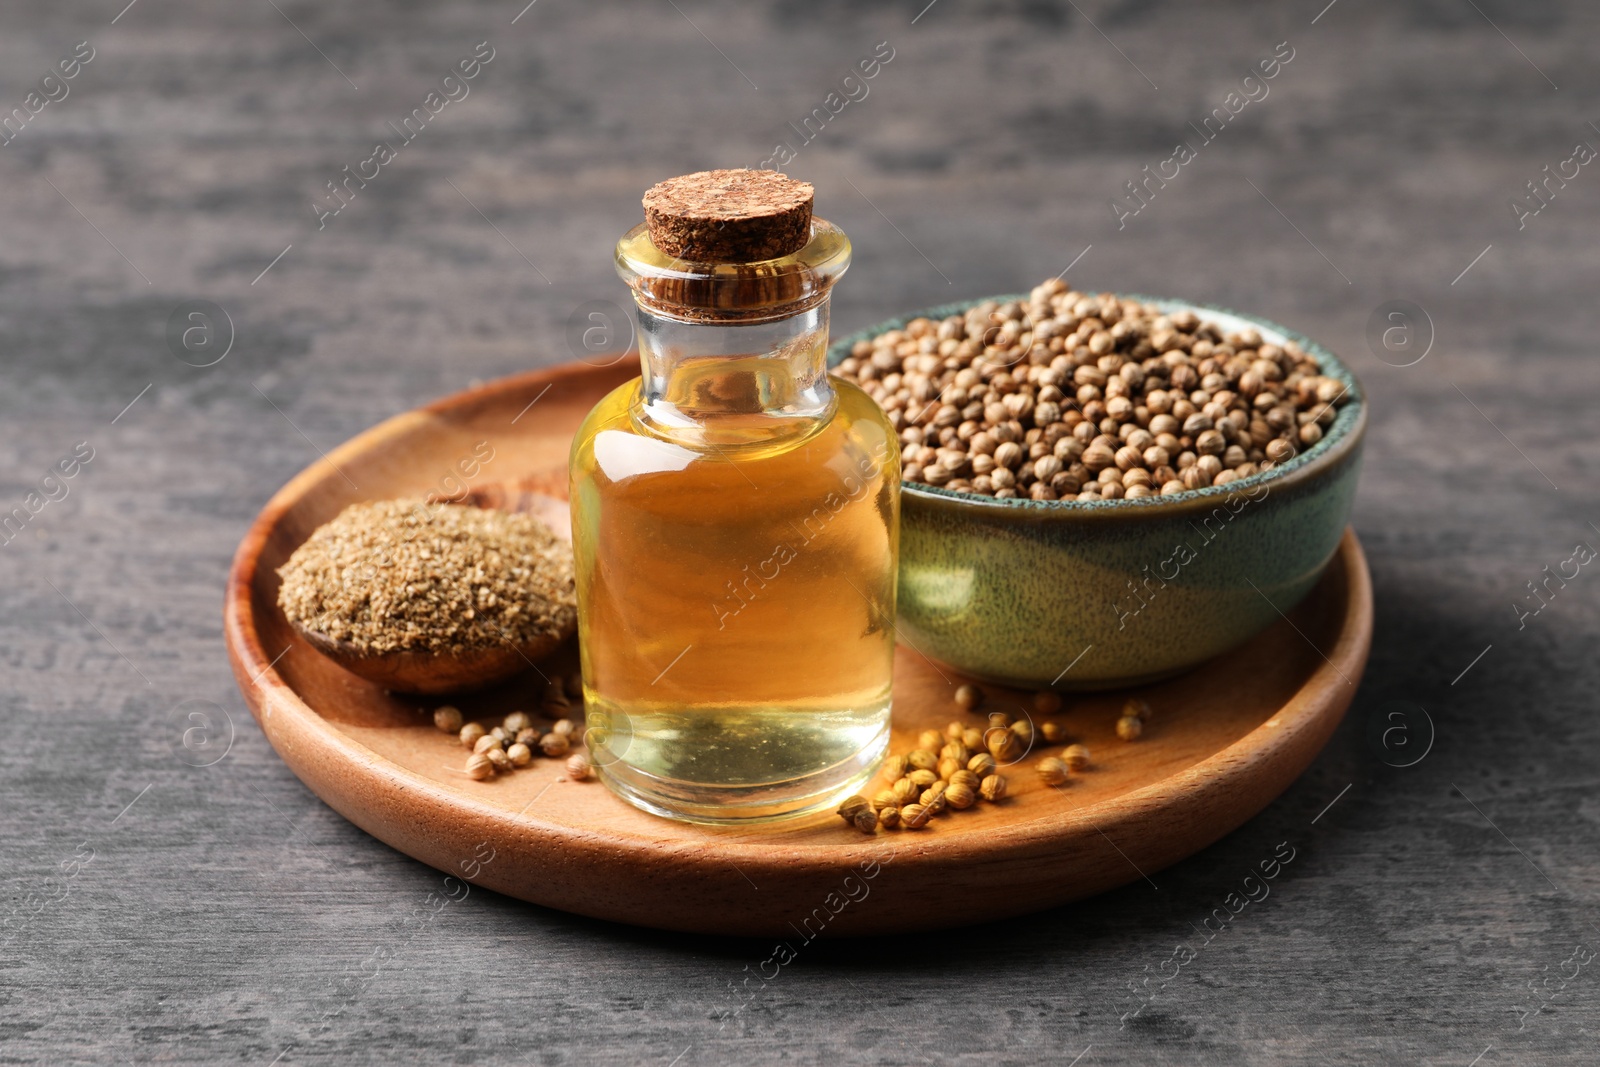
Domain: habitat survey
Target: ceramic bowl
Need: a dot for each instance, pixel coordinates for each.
(1101, 594)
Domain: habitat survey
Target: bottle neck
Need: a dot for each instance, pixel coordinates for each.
(734, 353)
(736, 383)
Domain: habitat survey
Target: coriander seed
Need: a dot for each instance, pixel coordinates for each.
(889, 818)
(895, 767)
(913, 816)
(1129, 727)
(1053, 732)
(966, 778)
(866, 820)
(470, 733)
(1047, 702)
(1076, 757)
(486, 743)
(993, 788)
(479, 767)
(922, 779)
(1139, 709)
(885, 798)
(1052, 771)
(968, 697)
(905, 791)
(933, 799)
(851, 805)
(960, 796)
(983, 765)
(554, 744)
(447, 718)
(498, 757)
(922, 759)
(930, 740)
(520, 755)
(949, 766)
(516, 722)
(578, 767)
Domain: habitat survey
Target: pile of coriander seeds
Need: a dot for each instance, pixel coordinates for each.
(951, 771)
(521, 738)
(1077, 397)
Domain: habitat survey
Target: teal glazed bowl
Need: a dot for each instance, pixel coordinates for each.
(1102, 594)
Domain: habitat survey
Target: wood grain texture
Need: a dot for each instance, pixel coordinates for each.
(229, 916)
(1226, 740)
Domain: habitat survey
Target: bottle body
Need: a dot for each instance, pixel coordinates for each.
(735, 528)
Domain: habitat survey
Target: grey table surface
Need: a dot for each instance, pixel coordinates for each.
(160, 912)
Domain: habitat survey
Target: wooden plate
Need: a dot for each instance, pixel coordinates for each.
(1226, 738)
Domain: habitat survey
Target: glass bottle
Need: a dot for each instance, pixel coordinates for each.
(735, 524)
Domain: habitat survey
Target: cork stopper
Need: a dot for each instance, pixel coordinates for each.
(729, 216)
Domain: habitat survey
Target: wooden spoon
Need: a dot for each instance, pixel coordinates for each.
(434, 673)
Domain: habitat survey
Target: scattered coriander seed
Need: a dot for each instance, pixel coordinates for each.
(499, 734)
(470, 733)
(922, 759)
(922, 779)
(479, 767)
(895, 767)
(960, 795)
(953, 730)
(999, 720)
(554, 744)
(527, 736)
(866, 820)
(1002, 744)
(913, 816)
(889, 818)
(1023, 729)
(993, 787)
(1053, 732)
(1129, 727)
(933, 799)
(564, 726)
(957, 751)
(579, 768)
(447, 717)
(486, 743)
(905, 791)
(982, 765)
(516, 722)
(1076, 757)
(949, 766)
(1139, 709)
(498, 757)
(966, 778)
(972, 737)
(1047, 702)
(851, 805)
(885, 798)
(931, 740)
(1052, 771)
(520, 755)
(968, 697)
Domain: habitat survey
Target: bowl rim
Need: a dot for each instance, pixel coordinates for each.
(1341, 441)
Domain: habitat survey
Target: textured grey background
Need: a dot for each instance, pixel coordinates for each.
(228, 916)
